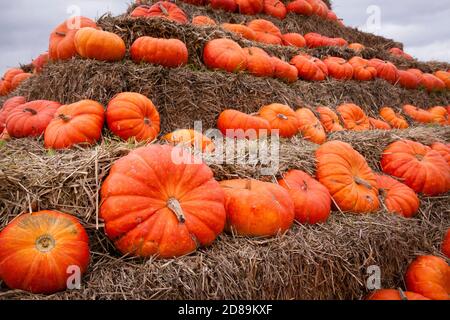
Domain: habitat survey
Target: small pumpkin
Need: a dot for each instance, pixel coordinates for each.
(18, 79)
(417, 114)
(418, 166)
(329, 119)
(250, 7)
(6, 81)
(236, 124)
(408, 79)
(400, 53)
(397, 197)
(339, 68)
(191, 139)
(444, 76)
(293, 39)
(153, 205)
(226, 5)
(357, 47)
(319, 8)
(203, 21)
(394, 119)
(224, 54)
(275, 8)
(432, 83)
(443, 149)
(168, 53)
(362, 70)
(440, 115)
(310, 68)
(265, 31)
(40, 62)
(312, 201)
(446, 244)
(77, 123)
(283, 70)
(61, 44)
(353, 117)
(100, 45)
(30, 119)
(259, 62)
(393, 294)
(239, 29)
(257, 209)
(39, 250)
(161, 9)
(133, 115)
(430, 277)
(310, 126)
(348, 178)
(378, 124)
(9, 105)
(385, 70)
(280, 117)
(300, 7)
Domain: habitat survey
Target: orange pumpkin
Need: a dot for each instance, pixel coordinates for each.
(6, 81)
(236, 124)
(77, 123)
(432, 83)
(443, 149)
(161, 9)
(30, 119)
(348, 178)
(418, 166)
(312, 201)
(100, 45)
(417, 114)
(275, 8)
(446, 244)
(250, 7)
(169, 53)
(280, 117)
(430, 277)
(300, 7)
(158, 200)
(362, 71)
(440, 115)
(329, 119)
(319, 8)
(39, 251)
(397, 197)
(400, 53)
(444, 76)
(191, 139)
(259, 62)
(133, 115)
(203, 21)
(265, 31)
(239, 29)
(339, 68)
(357, 47)
(257, 209)
(226, 5)
(408, 79)
(283, 70)
(62, 45)
(224, 54)
(40, 62)
(310, 68)
(378, 124)
(394, 119)
(293, 39)
(353, 117)
(9, 105)
(18, 79)
(393, 294)
(385, 70)
(310, 126)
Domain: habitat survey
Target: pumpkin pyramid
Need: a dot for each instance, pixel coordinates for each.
(294, 53)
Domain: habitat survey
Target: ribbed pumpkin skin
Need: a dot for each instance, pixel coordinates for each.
(394, 119)
(161, 9)
(259, 62)
(312, 200)
(275, 8)
(6, 81)
(239, 29)
(234, 124)
(37, 249)
(257, 209)
(293, 39)
(281, 117)
(398, 197)
(169, 53)
(18, 79)
(408, 79)
(250, 7)
(362, 70)
(329, 119)
(224, 54)
(353, 117)
(100, 45)
(157, 201)
(133, 115)
(444, 76)
(9, 105)
(265, 31)
(339, 68)
(310, 68)
(417, 114)
(310, 126)
(77, 123)
(283, 70)
(376, 124)
(348, 178)
(393, 294)
(430, 277)
(189, 138)
(418, 166)
(443, 149)
(300, 7)
(203, 21)
(30, 119)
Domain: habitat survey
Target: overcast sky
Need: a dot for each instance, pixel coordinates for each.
(423, 26)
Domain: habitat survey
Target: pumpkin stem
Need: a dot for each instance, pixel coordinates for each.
(174, 205)
(64, 118)
(362, 182)
(282, 116)
(163, 10)
(61, 34)
(147, 121)
(32, 111)
(402, 295)
(305, 186)
(45, 243)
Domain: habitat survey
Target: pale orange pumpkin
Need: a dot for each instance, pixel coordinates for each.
(310, 126)
(280, 117)
(329, 119)
(100, 45)
(353, 117)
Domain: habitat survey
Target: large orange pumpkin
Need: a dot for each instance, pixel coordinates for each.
(443, 76)
(432, 83)
(293, 39)
(353, 117)
(161, 9)
(310, 68)
(259, 62)
(133, 115)
(348, 178)
(100, 45)
(417, 114)
(443, 149)
(265, 31)
(236, 124)
(394, 119)
(203, 21)
(300, 7)
(39, 251)
(377, 124)
(408, 79)
(446, 244)
(281, 117)
(6, 81)
(257, 209)
(239, 29)
(397, 197)
(430, 277)
(339, 68)
(191, 139)
(283, 70)
(9, 105)
(224, 54)
(62, 45)
(30, 119)
(158, 200)
(275, 8)
(418, 166)
(393, 294)
(169, 53)
(76, 123)
(312, 201)
(250, 7)
(329, 119)
(385, 70)
(362, 71)
(310, 126)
